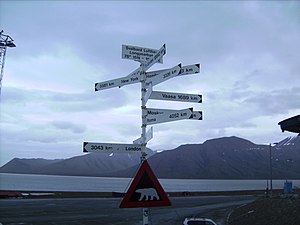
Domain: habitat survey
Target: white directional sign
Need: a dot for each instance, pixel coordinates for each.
(197, 115)
(111, 147)
(139, 54)
(190, 69)
(185, 70)
(132, 78)
(155, 116)
(155, 58)
(172, 96)
(149, 136)
(165, 75)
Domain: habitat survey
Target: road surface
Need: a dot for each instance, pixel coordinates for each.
(76, 211)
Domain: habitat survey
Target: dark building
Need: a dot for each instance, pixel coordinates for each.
(291, 124)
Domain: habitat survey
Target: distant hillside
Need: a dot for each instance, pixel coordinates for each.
(92, 164)
(222, 158)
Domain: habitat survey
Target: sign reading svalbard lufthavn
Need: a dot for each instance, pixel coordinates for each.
(139, 54)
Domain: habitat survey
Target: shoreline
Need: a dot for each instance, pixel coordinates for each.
(4, 194)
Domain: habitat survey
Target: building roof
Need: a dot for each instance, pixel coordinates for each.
(291, 124)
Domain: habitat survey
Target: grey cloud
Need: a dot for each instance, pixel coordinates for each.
(66, 125)
(277, 101)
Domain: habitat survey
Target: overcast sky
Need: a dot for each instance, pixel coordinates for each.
(249, 54)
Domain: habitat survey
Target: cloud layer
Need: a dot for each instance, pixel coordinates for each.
(249, 55)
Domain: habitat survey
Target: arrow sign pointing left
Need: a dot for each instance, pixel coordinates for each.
(133, 77)
(111, 147)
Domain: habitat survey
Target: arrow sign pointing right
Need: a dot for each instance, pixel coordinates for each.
(197, 115)
(172, 96)
(155, 116)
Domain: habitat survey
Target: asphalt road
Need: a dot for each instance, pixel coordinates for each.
(106, 211)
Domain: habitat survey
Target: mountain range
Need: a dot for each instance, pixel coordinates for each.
(221, 158)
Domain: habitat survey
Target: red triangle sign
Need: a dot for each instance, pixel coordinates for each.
(145, 190)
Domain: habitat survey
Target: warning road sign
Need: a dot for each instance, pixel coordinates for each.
(145, 190)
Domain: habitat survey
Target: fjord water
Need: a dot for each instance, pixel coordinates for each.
(29, 182)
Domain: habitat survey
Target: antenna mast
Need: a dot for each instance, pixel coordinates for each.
(5, 41)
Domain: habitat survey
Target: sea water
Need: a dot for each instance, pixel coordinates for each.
(29, 182)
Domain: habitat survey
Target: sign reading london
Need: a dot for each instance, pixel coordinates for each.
(111, 147)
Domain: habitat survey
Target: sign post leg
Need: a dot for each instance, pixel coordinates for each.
(145, 216)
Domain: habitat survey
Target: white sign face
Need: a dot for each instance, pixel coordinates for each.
(149, 136)
(111, 148)
(185, 70)
(190, 69)
(139, 54)
(197, 115)
(172, 96)
(155, 58)
(133, 77)
(166, 75)
(155, 116)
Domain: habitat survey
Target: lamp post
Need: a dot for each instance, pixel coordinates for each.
(271, 168)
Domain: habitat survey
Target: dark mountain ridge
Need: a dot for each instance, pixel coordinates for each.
(221, 158)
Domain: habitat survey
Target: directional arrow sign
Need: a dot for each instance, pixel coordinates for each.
(190, 69)
(172, 96)
(185, 70)
(166, 75)
(139, 54)
(155, 116)
(155, 58)
(132, 78)
(110, 147)
(197, 115)
(149, 136)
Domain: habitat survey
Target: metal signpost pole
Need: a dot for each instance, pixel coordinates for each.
(144, 115)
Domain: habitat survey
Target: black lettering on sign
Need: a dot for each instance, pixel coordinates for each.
(174, 115)
(103, 85)
(183, 114)
(183, 97)
(96, 147)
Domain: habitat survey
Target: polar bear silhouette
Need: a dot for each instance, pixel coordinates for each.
(149, 193)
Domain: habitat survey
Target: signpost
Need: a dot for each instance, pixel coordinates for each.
(145, 190)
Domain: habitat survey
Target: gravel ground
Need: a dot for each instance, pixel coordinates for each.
(268, 211)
